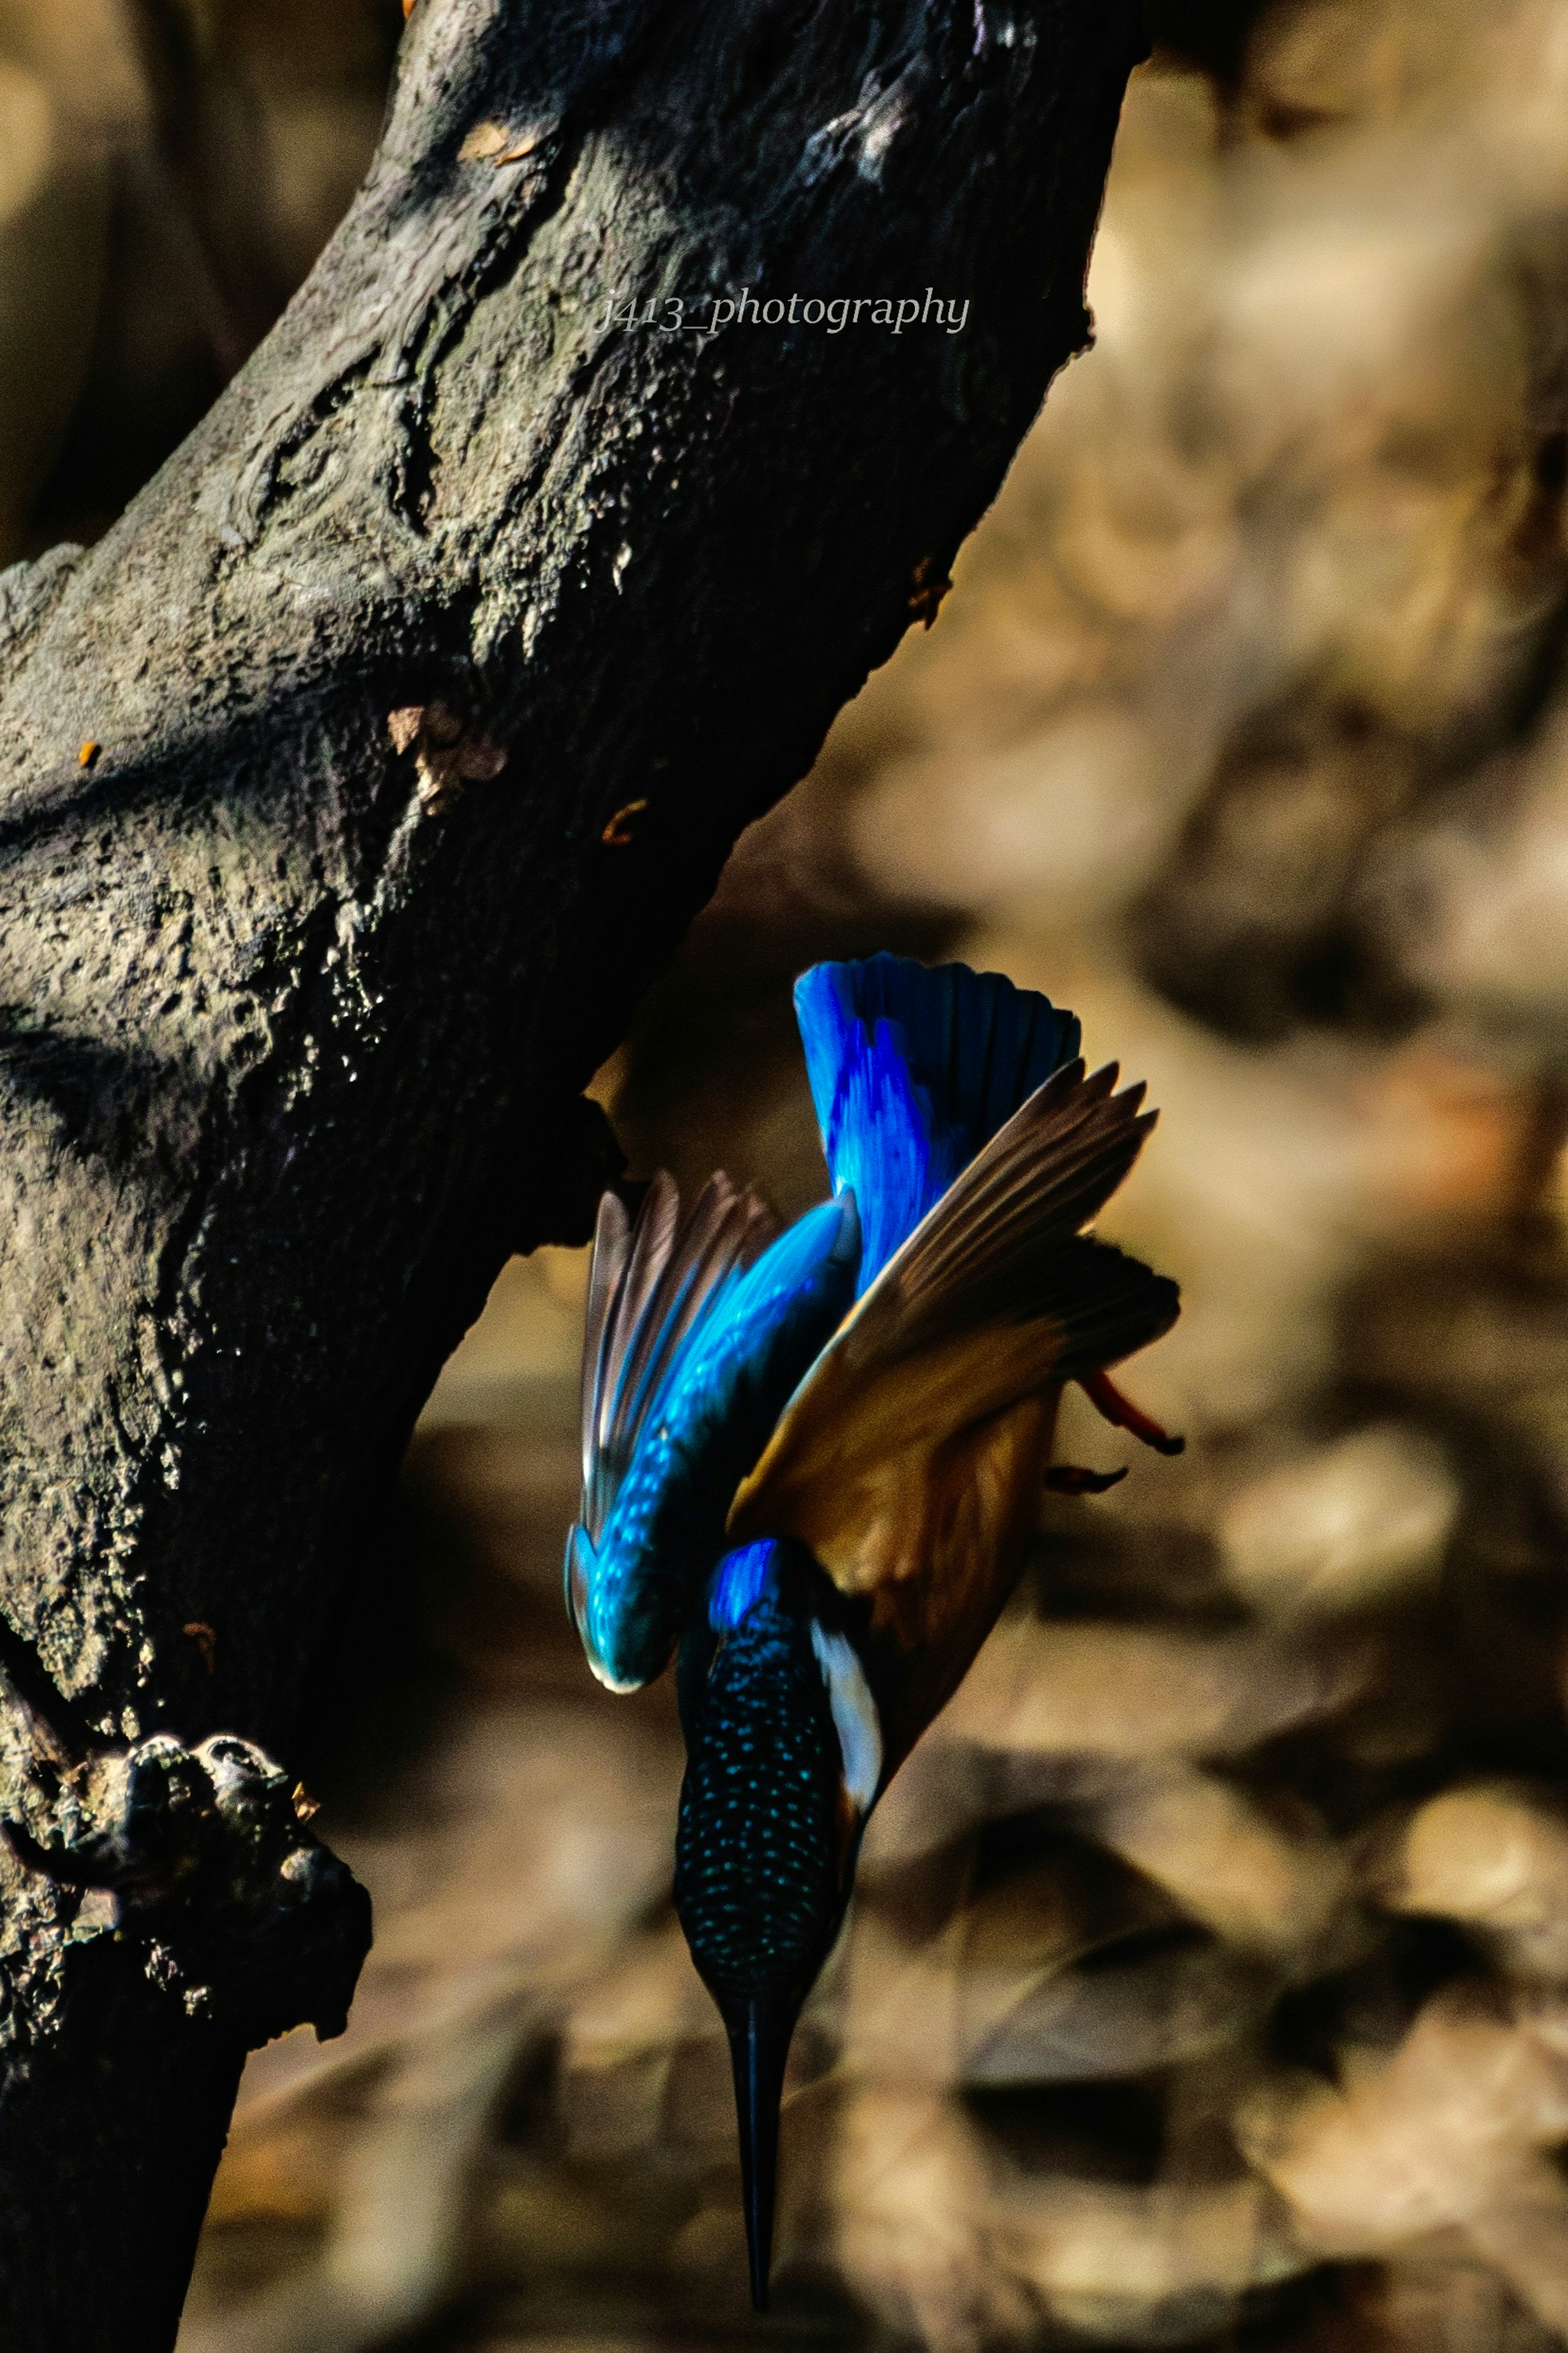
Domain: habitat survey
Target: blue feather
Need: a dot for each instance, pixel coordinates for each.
(912, 1069)
(878, 1126)
(739, 1583)
(728, 1384)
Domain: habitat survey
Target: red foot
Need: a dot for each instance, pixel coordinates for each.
(1069, 1479)
(1123, 1414)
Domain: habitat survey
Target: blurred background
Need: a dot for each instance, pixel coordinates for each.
(1207, 1985)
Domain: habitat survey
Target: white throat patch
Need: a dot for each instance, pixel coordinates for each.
(854, 1717)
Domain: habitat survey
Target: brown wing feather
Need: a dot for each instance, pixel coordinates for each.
(612, 1245)
(994, 1300)
(983, 1254)
(654, 1282)
(823, 1476)
(977, 1498)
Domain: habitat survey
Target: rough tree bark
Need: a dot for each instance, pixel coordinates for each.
(430, 684)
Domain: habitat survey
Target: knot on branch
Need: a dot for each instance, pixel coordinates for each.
(241, 1912)
(448, 754)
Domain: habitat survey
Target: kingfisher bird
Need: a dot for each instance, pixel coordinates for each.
(813, 1458)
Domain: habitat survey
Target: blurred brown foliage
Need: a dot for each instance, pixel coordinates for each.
(169, 170)
(1207, 1985)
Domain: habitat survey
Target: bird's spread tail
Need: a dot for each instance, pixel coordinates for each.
(760, 2031)
(912, 1070)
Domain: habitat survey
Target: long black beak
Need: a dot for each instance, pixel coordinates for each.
(760, 2031)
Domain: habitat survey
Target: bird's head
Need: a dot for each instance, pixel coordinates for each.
(784, 1763)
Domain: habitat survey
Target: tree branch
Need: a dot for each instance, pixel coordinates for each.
(350, 790)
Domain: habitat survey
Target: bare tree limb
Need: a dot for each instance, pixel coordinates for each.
(350, 792)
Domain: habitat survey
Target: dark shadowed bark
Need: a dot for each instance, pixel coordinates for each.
(350, 792)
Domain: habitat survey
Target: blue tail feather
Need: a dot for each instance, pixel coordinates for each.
(912, 1069)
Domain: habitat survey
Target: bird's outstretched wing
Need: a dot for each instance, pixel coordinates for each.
(913, 1069)
(651, 1282)
(696, 1335)
(909, 1459)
